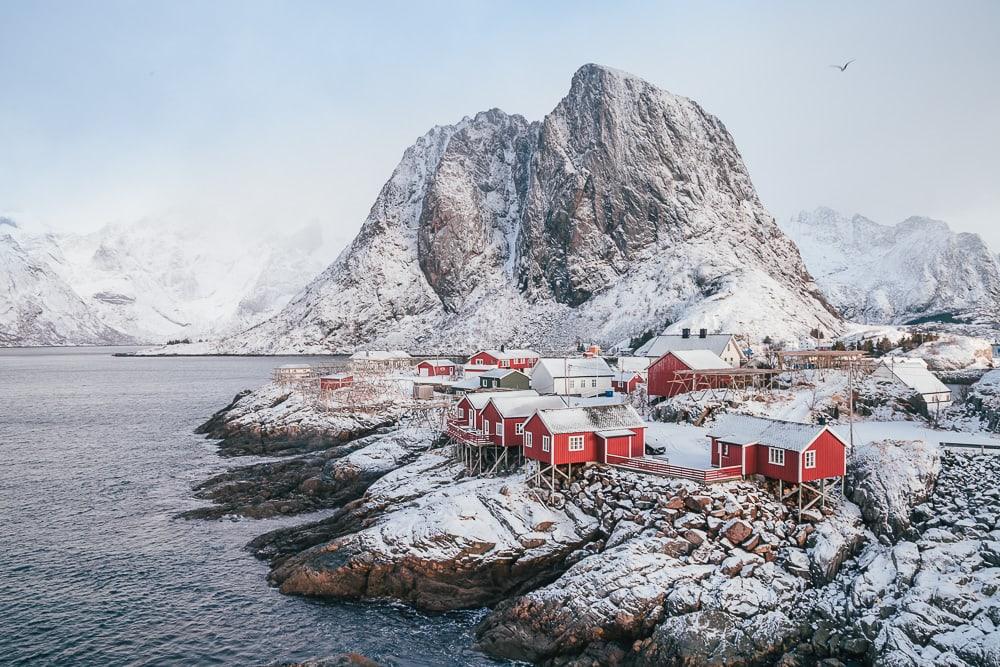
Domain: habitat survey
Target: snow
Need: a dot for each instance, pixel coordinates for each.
(575, 367)
(698, 360)
(745, 430)
(591, 418)
(685, 445)
(952, 352)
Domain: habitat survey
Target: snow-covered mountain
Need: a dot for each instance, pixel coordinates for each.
(625, 209)
(917, 270)
(152, 282)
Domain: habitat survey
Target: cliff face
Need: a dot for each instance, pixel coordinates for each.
(627, 208)
(916, 270)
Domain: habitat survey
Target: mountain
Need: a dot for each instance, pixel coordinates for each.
(38, 308)
(625, 209)
(151, 281)
(915, 271)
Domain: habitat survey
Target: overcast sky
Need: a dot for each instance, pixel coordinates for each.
(275, 114)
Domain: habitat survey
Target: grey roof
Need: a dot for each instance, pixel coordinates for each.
(467, 383)
(660, 345)
(625, 376)
(525, 406)
(591, 418)
(576, 367)
(747, 430)
(916, 376)
(480, 399)
(499, 373)
(615, 433)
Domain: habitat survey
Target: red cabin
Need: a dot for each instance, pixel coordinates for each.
(675, 372)
(518, 360)
(625, 382)
(504, 416)
(436, 368)
(584, 434)
(469, 410)
(789, 451)
(337, 381)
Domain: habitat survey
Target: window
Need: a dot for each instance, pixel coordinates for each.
(810, 459)
(725, 450)
(593, 383)
(572, 383)
(505, 363)
(486, 426)
(479, 362)
(519, 428)
(546, 443)
(527, 439)
(776, 456)
(499, 428)
(576, 443)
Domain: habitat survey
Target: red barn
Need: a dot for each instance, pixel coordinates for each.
(436, 368)
(336, 381)
(584, 434)
(788, 451)
(518, 360)
(625, 382)
(667, 376)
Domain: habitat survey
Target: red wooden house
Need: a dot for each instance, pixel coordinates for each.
(336, 381)
(674, 372)
(584, 434)
(469, 410)
(786, 451)
(625, 382)
(436, 368)
(516, 359)
(504, 416)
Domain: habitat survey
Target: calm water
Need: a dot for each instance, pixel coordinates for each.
(96, 455)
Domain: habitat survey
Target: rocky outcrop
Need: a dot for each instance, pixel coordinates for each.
(888, 478)
(321, 480)
(626, 209)
(981, 408)
(278, 420)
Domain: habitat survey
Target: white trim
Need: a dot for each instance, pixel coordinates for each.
(527, 439)
(576, 440)
(546, 443)
(519, 428)
(499, 429)
(806, 457)
(776, 456)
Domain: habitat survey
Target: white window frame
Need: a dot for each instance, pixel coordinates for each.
(576, 443)
(809, 459)
(527, 439)
(593, 383)
(486, 426)
(546, 443)
(572, 383)
(519, 428)
(505, 363)
(479, 362)
(725, 449)
(776, 456)
(499, 428)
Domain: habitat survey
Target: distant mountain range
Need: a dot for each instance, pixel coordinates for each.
(144, 283)
(626, 209)
(918, 270)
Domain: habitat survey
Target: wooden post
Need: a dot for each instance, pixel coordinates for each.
(822, 491)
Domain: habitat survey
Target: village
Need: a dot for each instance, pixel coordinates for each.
(699, 406)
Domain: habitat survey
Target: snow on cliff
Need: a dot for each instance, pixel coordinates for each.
(625, 209)
(913, 271)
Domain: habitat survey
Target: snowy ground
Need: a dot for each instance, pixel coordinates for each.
(686, 445)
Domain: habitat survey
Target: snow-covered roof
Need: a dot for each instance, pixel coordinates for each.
(591, 418)
(916, 377)
(438, 362)
(499, 373)
(701, 360)
(633, 363)
(480, 399)
(379, 355)
(625, 376)
(511, 354)
(615, 433)
(467, 383)
(478, 367)
(336, 376)
(746, 430)
(576, 367)
(524, 406)
(660, 345)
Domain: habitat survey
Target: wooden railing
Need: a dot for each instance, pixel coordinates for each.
(458, 429)
(667, 470)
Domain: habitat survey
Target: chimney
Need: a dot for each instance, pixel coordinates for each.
(702, 333)
(685, 333)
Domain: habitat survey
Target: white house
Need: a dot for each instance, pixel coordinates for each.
(722, 344)
(577, 376)
(912, 372)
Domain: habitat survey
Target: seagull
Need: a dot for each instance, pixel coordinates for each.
(844, 66)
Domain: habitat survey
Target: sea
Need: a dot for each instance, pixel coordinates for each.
(97, 456)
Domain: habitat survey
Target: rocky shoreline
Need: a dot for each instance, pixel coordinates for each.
(620, 568)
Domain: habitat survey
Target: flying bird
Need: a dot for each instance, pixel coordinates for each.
(844, 66)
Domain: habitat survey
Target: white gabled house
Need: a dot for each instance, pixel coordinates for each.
(722, 344)
(913, 373)
(576, 376)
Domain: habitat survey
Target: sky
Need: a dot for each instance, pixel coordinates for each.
(272, 115)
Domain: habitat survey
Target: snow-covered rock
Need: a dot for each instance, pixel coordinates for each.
(917, 270)
(626, 209)
(951, 352)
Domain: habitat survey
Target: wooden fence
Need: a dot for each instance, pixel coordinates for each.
(667, 470)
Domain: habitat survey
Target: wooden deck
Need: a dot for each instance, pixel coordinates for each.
(654, 467)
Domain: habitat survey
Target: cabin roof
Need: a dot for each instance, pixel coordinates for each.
(576, 367)
(916, 376)
(747, 430)
(480, 399)
(525, 406)
(500, 373)
(510, 354)
(591, 418)
(626, 376)
(438, 362)
(660, 345)
(701, 360)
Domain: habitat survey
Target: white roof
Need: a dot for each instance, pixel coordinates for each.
(633, 363)
(576, 367)
(292, 367)
(525, 406)
(746, 430)
(660, 345)
(480, 399)
(917, 378)
(499, 372)
(701, 360)
(511, 354)
(380, 355)
(336, 376)
(591, 418)
(625, 376)
(438, 362)
(615, 433)
(467, 383)
(479, 367)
